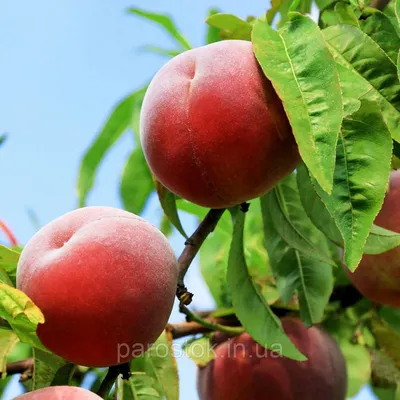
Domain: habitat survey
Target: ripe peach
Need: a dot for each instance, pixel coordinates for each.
(244, 370)
(59, 393)
(377, 276)
(105, 280)
(213, 130)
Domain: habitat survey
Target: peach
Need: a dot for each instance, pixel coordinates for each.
(105, 280)
(244, 370)
(213, 130)
(60, 393)
(377, 277)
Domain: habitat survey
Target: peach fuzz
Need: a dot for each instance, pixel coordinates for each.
(213, 130)
(104, 279)
(59, 393)
(244, 370)
(377, 276)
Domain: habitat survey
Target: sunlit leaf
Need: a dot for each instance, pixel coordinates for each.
(165, 22)
(304, 75)
(231, 26)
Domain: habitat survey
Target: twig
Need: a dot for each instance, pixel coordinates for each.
(192, 246)
(209, 324)
(379, 4)
(24, 367)
(112, 374)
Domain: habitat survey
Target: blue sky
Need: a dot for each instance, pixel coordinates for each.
(64, 65)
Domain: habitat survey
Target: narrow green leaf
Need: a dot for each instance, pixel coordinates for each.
(8, 256)
(274, 10)
(200, 351)
(138, 387)
(160, 358)
(361, 177)
(3, 138)
(21, 313)
(295, 272)
(118, 122)
(213, 33)
(379, 240)
(356, 51)
(398, 65)
(214, 263)
(346, 14)
(397, 10)
(164, 52)
(136, 182)
(8, 339)
(46, 367)
(64, 375)
(165, 22)
(5, 278)
(231, 26)
(250, 305)
(293, 225)
(380, 29)
(168, 204)
(304, 75)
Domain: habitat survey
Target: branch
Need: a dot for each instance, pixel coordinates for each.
(209, 323)
(24, 367)
(112, 374)
(379, 4)
(192, 246)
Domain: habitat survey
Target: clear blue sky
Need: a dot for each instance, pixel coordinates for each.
(65, 64)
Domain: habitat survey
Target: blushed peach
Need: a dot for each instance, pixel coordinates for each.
(377, 276)
(244, 370)
(105, 280)
(213, 130)
(59, 393)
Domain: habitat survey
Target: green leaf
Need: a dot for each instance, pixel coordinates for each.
(118, 122)
(397, 10)
(8, 256)
(294, 271)
(200, 351)
(391, 316)
(138, 387)
(292, 223)
(356, 51)
(231, 26)
(379, 240)
(361, 177)
(46, 367)
(8, 339)
(250, 305)
(3, 138)
(214, 263)
(136, 182)
(21, 313)
(346, 14)
(165, 22)
(159, 364)
(213, 33)
(164, 52)
(64, 375)
(5, 278)
(303, 73)
(168, 204)
(385, 373)
(398, 65)
(380, 29)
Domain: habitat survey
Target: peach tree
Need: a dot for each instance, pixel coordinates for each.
(280, 137)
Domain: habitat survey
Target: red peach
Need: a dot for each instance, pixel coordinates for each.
(244, 370)
(377, 276)
(213, 129)
(59, 393)
(105, 280)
